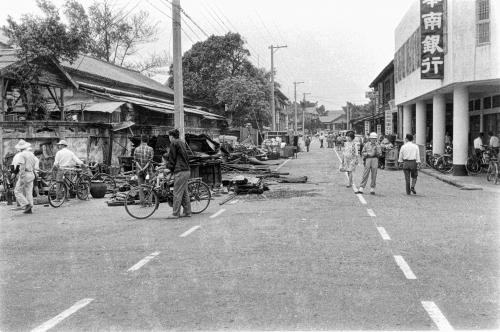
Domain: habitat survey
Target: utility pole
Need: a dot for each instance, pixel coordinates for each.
(177, 57)
(303, 112)
(273, 110)
(295, 104)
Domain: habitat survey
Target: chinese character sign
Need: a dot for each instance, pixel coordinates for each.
(431, 42)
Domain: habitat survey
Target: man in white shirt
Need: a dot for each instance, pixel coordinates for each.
(26, 176)
(64, 159)
(493, 142)
(409, 155)
(478, 144)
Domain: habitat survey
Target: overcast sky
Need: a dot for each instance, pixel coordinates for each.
(335, 47)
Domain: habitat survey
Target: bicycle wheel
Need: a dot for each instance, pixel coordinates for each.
(141, 208)
(443, 165)
(492, 173)
(57, 193)
(199, 193)
(472, 166)
(83, 187)
(108, 180)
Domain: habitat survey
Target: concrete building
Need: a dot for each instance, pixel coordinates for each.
(466, 92)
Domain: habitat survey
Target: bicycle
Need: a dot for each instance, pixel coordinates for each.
(476, 164)
(154, 193)
(97, 174)
(77, 184)
(492, 174)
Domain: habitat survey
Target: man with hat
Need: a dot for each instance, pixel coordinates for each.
(371, 152)
(64, 159)
(24, 185)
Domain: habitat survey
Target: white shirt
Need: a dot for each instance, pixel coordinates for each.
(66, 158)
(494, 142)
(16, 160)
(478, 143)
(409, 151)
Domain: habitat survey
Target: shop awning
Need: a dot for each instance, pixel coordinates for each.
(107, 107)
(122, 125)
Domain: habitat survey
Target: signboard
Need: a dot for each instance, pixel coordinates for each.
(388, 122)
(379, 130)
(432, 20)
(367, 127)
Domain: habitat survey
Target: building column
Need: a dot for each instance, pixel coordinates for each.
(421, 123)
(481, 122)
(460, 129)
(438, 123)
(406, 120)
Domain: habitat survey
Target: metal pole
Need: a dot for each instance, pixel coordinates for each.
(273, 110)
(177, 59)
(303, 112)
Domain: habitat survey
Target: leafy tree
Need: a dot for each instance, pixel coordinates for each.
(359, 111)
(40, 40)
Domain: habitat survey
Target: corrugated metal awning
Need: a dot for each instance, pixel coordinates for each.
(122, 125)
(107, 107)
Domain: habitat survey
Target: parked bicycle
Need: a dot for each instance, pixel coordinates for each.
(98, 173)
(444, 163)
(479, 163)
(74, 182)
(158, 190)
(492, 175)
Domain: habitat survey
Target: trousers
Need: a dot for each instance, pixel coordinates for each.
(371, 165)
(24, 189)
(411, 171)
(181, 194)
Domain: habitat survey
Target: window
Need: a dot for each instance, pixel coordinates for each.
(487, 102)
(477, 104)
(496, 101)
(471, 105)
(483, 21)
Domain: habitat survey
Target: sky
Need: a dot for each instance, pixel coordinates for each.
(336, 47)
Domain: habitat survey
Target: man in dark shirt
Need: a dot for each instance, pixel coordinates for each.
(178, 163)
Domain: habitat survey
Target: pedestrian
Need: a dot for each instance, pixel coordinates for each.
(178, 163)
(24, 185)
(447, 139)
(409, 155)
(478, 145)
(308, 142)
(349, 157)
(493, 142)
(321, 139)
(370, 153)
(143, 156)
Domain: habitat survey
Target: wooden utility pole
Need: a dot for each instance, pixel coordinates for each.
(295, 104)
(273, 110)
(177, 58)
(303, 112)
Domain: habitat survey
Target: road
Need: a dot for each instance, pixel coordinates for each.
(300, 257)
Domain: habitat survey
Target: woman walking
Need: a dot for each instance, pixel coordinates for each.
(349, 156)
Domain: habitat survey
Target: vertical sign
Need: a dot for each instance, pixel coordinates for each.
(431, 39)
(388, 122)
(367, 127)
(379, 130)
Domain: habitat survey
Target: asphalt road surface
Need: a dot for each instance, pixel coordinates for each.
(300, 257)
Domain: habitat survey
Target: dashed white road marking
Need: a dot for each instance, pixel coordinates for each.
(370, 212)
(404, 267)
(59, 318)
(217, 213)
(189, 231)
(361, 199)
(383, 233)
(437, 316)
(234, 201)
(277, 168)
(143, 261)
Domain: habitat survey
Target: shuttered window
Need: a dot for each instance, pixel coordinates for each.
(483, 21)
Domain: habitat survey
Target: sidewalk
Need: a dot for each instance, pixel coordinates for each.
(474, 182)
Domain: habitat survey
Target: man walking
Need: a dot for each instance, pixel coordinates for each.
(409, 155)
(308, 142)
(178, 163)
(321, 139)
(26, 176)
(371, 152)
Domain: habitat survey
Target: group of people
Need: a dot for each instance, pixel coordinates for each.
(371, 151)
(479, 145)
(26, 166)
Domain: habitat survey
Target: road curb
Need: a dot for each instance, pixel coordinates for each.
(453, 182)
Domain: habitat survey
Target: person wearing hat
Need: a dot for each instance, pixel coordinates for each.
(64, 159)
(371, 152)
(178, 163)
(24, 185)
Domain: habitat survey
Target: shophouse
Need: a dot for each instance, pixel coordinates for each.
(333, 121)
(447, 73)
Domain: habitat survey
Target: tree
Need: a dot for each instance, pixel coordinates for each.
(40, 40)
(209, 62)
(358, 111)
(115, 37)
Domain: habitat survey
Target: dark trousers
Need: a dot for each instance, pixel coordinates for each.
(181, 194)
(411, 171)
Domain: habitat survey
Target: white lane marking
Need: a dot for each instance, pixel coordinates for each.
(234, 202)
(59, 318)
(277, 168)
(370, 212)
(337, 154)
(383, 233)
(437, 316)
(264, 196)
(217, 213)
(189, 231)
(361, 198)
(143, 261)
(404, 267)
